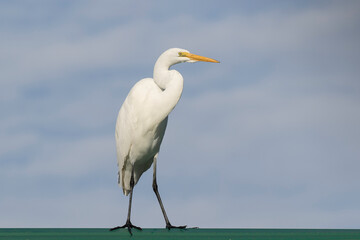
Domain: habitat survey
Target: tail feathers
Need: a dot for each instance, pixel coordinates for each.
(125, 185)
(126, 192)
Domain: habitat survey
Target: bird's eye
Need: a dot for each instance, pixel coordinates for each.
(182, 54)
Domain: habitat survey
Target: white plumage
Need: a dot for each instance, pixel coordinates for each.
(143, 117)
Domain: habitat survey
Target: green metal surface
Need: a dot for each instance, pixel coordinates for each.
(159, 234)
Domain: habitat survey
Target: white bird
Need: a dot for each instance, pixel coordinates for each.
(142, 121)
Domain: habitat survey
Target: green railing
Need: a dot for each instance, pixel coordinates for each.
(159, 234)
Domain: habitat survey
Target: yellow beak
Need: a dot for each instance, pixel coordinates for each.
(197, 57)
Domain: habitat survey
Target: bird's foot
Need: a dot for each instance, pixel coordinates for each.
(169, 226)
(127, 225)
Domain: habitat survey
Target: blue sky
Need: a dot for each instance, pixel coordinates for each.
(268, 138)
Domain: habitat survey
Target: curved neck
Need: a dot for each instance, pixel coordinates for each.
(171, 83)
(161, 73)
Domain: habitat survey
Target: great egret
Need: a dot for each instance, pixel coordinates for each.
(142, 121)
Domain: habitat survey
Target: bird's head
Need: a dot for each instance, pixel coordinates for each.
(177, 55)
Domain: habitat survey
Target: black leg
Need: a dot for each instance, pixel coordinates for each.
(155, 188)
(128, 223)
